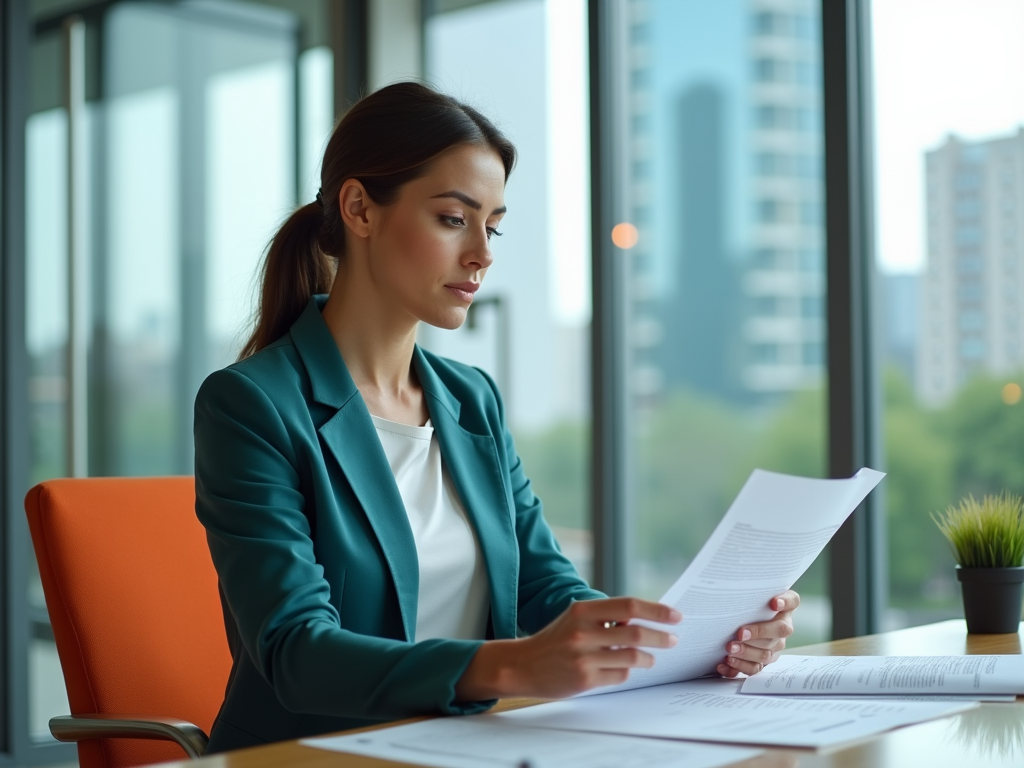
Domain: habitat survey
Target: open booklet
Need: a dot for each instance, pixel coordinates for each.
(889, 676)
(771, 534)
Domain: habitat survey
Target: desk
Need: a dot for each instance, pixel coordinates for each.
(992, 735)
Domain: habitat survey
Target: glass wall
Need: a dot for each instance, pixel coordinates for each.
(523, 63)
(195, 122)
(721, 151)
(950, 194)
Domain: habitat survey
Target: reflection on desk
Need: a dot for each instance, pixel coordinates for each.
(991, 736)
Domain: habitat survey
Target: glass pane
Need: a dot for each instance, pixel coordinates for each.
(723, 238)
(530, 327)
(181, 102)
(189, 104)
(950, 178)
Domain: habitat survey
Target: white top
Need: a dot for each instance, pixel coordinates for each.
(454, 598)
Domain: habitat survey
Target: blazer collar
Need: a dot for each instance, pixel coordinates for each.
(328, 375)
(433, 387)
(471, 459)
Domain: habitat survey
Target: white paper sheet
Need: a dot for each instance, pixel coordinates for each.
(882, 675)
(485, 741)
(771, 534)
(689, 711)
(721, 686)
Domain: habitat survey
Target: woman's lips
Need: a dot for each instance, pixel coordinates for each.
(464, 291)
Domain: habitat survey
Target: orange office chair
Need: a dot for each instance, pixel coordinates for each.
(132, 597)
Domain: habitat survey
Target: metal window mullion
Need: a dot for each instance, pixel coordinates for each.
(856, 554)
(14, 372)
(350, 46)
(76, 396)
(609, 443)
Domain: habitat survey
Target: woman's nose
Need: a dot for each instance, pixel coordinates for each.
(481, 253)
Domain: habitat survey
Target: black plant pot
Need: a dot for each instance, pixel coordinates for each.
(992, 598)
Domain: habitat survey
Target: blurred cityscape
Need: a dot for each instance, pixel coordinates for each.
(721, 141)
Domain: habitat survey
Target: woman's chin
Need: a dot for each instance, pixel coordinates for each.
(449, 319)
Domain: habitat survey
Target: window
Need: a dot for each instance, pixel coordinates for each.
(947, 430)
(533, 312)
(736, 379)
(175, 220)
(812, 307)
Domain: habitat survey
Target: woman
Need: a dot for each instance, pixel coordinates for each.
(380, 551)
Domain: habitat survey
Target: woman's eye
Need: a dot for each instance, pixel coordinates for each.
(455, 221)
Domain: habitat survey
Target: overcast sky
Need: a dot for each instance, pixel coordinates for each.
(941, 67)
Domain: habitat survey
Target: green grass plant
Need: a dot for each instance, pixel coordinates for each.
(987, 533)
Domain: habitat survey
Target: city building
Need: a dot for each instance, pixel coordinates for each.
(898, 309)
(972, 317)
(727, 299)
(784, 285)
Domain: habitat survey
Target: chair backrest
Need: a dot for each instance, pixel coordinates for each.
(132, 597)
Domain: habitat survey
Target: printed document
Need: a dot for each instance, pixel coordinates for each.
(484, 741)
(691, 711)
(723, 686)
(771, 534)
(890, 675)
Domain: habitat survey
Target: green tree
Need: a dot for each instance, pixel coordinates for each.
(919, 461)
(987, 437)
(557, 463)
(685, 476)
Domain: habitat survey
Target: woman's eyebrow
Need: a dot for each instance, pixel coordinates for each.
(461, 196)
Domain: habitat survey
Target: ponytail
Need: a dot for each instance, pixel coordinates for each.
(295, 269)
(384, 141)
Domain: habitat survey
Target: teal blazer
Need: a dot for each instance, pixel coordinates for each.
(316, 559)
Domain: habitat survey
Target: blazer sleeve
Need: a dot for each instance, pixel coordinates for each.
(249, 496)
(548, 581)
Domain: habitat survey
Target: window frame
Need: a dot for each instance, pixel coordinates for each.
(857, 571)
(857, 553)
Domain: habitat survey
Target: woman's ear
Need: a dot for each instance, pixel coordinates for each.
(354, 204)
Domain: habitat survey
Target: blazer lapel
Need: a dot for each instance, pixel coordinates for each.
(352, 438)
(472, 462)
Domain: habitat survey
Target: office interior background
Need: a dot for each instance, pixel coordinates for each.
(785, 234)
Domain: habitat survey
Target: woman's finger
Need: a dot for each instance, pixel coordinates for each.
(779, 627)
(772, 643)
(623, 609)
(787, 601)
(633, 635)
(621, 658)
(751, 653)
(746, 667)
(726, 671)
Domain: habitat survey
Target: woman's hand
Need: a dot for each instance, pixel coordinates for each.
(589, 645)
(759, 644)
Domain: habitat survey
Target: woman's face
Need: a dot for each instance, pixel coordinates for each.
(430, 249)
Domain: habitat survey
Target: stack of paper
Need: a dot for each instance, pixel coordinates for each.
(773, 531)
(715, 711)
(972, 676)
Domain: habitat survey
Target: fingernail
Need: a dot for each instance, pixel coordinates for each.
(781, 603)
(672, 640)
(735, 648)
(745, 635)
(722, 669)
(732, 662)
(675, 616)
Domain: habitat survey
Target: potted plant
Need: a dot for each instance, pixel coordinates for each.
(987, 538)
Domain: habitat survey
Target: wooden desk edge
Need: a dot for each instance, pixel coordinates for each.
(943, 638)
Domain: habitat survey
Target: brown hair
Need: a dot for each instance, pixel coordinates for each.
(385, 140)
